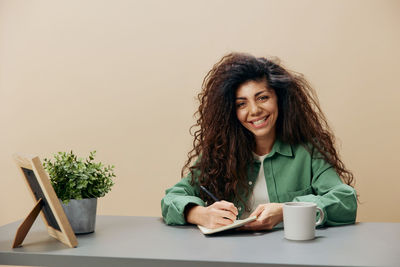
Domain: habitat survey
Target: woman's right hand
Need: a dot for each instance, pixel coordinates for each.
(219, 214)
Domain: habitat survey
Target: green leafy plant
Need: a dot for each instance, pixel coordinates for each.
(76, 178)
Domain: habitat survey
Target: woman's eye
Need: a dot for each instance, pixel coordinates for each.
(264, 97)
(239, 105)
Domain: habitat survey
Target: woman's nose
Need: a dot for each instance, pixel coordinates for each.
(254, 109)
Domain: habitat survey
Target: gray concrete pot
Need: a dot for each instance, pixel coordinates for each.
(81, 214)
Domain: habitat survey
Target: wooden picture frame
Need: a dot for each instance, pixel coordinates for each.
(47, 203)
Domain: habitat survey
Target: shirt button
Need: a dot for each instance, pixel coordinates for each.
(250, 183)
(240, 208)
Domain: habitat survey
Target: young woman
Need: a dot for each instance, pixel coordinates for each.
(261, 140)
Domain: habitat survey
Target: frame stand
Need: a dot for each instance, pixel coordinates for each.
(26, 225)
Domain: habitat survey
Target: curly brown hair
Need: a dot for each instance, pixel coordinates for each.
(223, 147)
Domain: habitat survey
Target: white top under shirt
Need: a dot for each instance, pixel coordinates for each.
(260, 190)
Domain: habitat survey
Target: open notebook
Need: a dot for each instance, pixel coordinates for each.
(236, 224)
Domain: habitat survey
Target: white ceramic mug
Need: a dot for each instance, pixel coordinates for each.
(299, 220)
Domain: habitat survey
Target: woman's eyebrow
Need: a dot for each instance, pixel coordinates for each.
(260, 92)
(257, 94)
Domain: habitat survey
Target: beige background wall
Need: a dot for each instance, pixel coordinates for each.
(121, 77)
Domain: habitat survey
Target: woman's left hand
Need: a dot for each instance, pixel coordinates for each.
(268, 215)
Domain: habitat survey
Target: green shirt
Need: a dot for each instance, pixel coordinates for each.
(291, 174)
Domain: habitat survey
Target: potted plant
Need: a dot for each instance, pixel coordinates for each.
(78, 183)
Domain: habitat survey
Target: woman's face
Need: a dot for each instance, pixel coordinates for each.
(257, 109)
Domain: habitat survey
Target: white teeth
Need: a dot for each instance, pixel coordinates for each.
(259, 121)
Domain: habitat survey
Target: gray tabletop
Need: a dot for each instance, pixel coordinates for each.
(147, 241)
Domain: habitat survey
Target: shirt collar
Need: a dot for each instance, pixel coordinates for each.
(281, 148)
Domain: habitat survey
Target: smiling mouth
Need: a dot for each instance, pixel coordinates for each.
(260, 121)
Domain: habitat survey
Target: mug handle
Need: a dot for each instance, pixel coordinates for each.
(321, 217)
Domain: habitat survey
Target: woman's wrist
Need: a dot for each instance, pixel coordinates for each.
(193, 214)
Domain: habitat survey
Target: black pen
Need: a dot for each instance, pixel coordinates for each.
(212, 196)
(209, 193)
